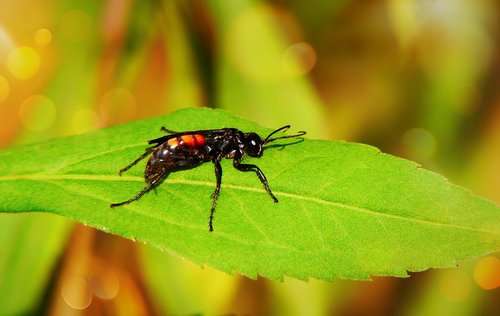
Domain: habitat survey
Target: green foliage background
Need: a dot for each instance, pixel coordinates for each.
(416, 80)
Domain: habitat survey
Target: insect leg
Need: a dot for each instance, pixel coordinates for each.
(218, 176)
(149, 186)
(164, 129)
(260, 174)
(160, 140)
(133, 163)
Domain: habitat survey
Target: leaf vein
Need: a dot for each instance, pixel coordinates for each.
(42, 176)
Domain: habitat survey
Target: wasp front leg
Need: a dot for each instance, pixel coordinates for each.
(260, 174)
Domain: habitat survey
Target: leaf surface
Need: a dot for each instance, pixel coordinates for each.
(345, 210)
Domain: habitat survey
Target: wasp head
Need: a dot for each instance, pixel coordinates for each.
(253, 145)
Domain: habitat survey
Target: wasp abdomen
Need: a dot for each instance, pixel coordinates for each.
(188, 141)
(182, 150)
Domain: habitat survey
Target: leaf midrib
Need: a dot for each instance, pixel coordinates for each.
(88, 177)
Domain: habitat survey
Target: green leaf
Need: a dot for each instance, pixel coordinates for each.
(345, 211)
(30, 245)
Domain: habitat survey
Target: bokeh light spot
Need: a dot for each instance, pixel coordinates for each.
(76, 293)
(43, 37)
(118, 105)
(76, 26)
(37, 113)
(4, 89)
(23, 62)
(252, 47)
(419, 144)
(455, 285)
(299, 59)
(85, 120)
(105, 283)
(6, 40)
(487, 273)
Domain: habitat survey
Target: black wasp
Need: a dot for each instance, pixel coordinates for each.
(189, 149)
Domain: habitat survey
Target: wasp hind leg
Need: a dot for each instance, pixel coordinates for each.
(133, 163)
(151, 185)
(166, 130)
(161, 140)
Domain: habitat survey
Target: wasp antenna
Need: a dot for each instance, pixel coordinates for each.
(284, 128)
(268, 138)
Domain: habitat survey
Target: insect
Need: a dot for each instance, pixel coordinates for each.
(181, 150)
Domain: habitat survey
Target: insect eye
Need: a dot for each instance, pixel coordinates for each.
(253, 145)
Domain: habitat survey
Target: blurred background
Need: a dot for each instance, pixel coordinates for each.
(417, 79)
